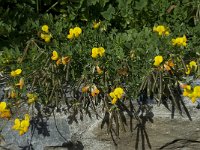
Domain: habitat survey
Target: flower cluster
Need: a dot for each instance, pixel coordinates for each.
(180, 41)
(116, 94)
(31, 97)
(94, 90)
(192, 93)
(191, 67)
(63, 60)
(98, 52)
(21, 81)
(45, 35)
(74, 32)
(158, 60)
(4, 111)
(23, 125)
(96, 24)
(162, 30)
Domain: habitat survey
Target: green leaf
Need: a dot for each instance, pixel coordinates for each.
(141, 4)
(103, 2)
(92, 2)
(108, 14)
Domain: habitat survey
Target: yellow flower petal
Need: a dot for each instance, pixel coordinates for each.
(70, 36)
(5, 114)
(77, 31)
(2, 106)
(16, 125)
(193, 64)
(96, 24)
(101, 51)
(114, 100)
(45, 28)
(25, 123)
(180, 41)
(119, 92)
(16, 72)
(95, 52)
(54, 55)
(21, 132)
(158, 60)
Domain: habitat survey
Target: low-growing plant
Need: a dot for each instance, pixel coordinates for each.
(79, 66)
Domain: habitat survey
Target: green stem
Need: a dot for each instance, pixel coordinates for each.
(37, 6)
(52, 6)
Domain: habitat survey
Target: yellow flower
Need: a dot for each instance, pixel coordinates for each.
(197, 91)
(16, 125)
(162, 30)
(21, 83)
(180, 41)
(96, 24)
(112, 94)
(193, 94)
(193, 64)
(98, 52)
(188, 69)
(101, 51)
(22, 126)
(42, 35)
(158, 60)
(74, 32)
(95, 52)
(187, 92)
(46, 37)
(94, 91)
(65, 60)
(77, 31)
(31, 98)
(54, 55)
(166, 33)
(116, 94)
(71, 34)
(2, 106)
(16, 72)
(114, 100)
(4, 112)
(45, 28)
